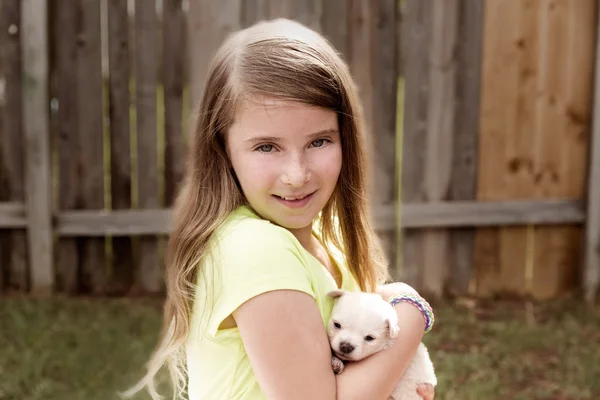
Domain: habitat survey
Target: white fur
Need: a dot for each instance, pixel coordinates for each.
(360, 315)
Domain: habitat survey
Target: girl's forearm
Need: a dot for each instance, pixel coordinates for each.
(376, 376)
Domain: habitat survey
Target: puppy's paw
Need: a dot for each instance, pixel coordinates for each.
(337, 365)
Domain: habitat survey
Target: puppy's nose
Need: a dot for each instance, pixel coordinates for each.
(346, 348)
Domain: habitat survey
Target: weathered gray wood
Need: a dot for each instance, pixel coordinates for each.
(481, 214)
(119, 65)
(65, 38)
(91, 131)
(415, 39)
(254, 11)
(12, 215)
(464, 169)
(307, 12)
(591, 274)
(173, 36)
(209, 23)
(334, 24)
(148, 271)
(12, 166)
(385, 91)
(114, 223)
(36, 127)
(440, 131)
(451, 214)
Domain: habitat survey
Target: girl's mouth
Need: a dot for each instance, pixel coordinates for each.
(295, 201)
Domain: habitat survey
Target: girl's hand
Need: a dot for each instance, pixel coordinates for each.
(426, 391)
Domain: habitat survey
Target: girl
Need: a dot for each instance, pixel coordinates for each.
(271, 217)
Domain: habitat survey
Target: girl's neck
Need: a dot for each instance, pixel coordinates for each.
(304, 236)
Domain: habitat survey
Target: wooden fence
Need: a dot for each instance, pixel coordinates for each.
(483, 111)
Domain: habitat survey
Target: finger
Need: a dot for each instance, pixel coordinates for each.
(426, 391)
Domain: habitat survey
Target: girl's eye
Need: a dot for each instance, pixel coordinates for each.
(337, 325)
(369, 338)
(318, 142)
(265, 148)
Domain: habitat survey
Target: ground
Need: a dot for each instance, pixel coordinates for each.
(91, 348)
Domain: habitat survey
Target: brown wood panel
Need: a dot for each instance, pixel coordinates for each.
(531, 146)
(91, 130)
(566, 76)
(119, 103)
(416, 36)
(464, 169)
(65, 31)
(591, 273)
(498, 115)
(173, 36)
(148, 271)
(12, 182)
(307, 12)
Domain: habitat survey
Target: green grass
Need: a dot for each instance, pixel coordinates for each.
(90, 348)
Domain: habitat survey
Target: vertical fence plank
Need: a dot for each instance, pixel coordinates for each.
(14, 244)
(91, 122)
(591, 271)
(566, 76)
(440, 126)
(385, 90)
(306, 12)
(209, 24)
(464, 168)
(334, 24)
(415, 38)
(36, 128)
(173, 37)
(119, 76)
(65, 41)
(148, 271)
(498, 123)
(254, 11)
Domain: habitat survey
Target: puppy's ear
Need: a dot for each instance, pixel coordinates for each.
(391, 323)
(392, 328)
(336, 293)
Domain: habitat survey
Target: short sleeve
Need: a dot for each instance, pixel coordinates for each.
(252, 258)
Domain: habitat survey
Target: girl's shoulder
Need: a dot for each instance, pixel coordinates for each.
(243, 230)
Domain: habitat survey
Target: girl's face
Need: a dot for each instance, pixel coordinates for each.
(287, 157)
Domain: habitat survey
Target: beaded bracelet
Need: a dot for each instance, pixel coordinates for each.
(418, 302)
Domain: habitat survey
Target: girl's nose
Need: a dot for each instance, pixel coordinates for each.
(296, 173)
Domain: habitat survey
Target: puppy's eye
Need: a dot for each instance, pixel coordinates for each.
(337, 325)
(369, 338)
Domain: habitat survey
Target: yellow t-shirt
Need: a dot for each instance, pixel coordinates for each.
(250, 256)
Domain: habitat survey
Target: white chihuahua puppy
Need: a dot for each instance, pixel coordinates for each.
(361, 324)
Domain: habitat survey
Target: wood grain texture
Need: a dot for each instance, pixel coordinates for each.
(209, 23)
(148, 271)
(119, 65)
(533, 142)
(334, 24)
(93, 262)
(172, 61)
(591, 271)
(464, 161)
(416, 36)
(307, 12)
(440, 131)
(36, 132)
(65, 35)
(384, 70)
(13, 245)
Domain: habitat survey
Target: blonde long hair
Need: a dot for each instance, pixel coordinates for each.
(285, 60)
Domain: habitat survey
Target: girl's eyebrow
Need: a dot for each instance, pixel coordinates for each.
(259, 139)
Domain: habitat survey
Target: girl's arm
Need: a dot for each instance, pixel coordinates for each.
(289, 351)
